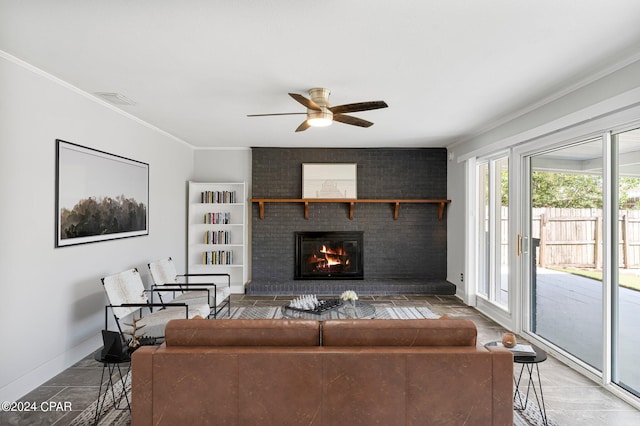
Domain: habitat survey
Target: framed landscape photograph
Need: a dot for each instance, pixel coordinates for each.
(329, 180)
(99, 196)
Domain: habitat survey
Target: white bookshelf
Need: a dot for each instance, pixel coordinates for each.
(225, 252)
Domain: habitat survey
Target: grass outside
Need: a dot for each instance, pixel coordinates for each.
(629, 280)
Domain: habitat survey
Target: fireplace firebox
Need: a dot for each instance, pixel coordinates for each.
(329, 255)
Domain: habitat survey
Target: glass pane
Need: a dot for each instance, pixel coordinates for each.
(566, 282)
(502, 232)
(493, 230)
(483, 229)
(627, 285)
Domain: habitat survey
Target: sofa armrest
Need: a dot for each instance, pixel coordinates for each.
(502, 364)
(142, 385)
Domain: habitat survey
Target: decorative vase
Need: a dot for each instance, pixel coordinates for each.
(509, 340)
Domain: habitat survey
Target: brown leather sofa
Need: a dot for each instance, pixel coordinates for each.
(339, 372)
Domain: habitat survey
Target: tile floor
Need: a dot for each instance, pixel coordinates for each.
(571, 399)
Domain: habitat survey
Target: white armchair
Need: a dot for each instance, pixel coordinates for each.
(191, 288)
(127, 296)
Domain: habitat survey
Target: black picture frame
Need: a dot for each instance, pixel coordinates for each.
(99, 196)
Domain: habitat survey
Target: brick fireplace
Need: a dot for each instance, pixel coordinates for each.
(407, 255)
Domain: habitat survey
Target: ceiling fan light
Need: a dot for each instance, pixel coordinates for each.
(319, 122)
(319, 119)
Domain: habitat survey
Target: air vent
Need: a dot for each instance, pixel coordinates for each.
(115, 98)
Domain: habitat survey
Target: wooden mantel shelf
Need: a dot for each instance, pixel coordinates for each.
(396, 202)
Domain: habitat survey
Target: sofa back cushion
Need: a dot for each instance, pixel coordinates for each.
(417, 332)
(257, 332)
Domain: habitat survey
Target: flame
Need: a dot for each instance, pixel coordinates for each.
(330, 257)
(338, 252)
(333, 260)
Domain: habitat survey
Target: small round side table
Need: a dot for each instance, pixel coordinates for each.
(530, 363)
(111, 364)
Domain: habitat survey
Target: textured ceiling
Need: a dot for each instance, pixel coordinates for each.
(447, 69)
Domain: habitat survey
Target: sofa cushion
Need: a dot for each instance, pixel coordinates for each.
(417, 332)
(257, 332)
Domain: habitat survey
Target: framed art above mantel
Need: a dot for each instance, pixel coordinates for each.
(329, 180)
(99, 196)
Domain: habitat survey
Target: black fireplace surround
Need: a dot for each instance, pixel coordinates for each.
(329, 255)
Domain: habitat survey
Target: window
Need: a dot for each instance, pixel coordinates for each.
(492, 227)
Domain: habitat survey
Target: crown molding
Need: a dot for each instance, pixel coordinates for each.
(90, 96)
(591, 78)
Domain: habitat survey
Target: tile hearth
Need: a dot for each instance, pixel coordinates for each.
(366, 286)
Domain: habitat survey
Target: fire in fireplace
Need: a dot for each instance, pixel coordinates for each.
(329, 255)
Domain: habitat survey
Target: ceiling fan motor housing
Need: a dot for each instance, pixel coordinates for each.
(320, 96)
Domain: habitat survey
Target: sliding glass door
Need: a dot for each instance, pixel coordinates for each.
(566, 285)
(583, 204)
(626, 276)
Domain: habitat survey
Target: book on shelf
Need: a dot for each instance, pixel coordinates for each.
(218, 197)
(520, 349)
(220, 257)
(219, 218)
(217, 237)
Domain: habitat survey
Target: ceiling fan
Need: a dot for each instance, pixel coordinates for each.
(321, 114)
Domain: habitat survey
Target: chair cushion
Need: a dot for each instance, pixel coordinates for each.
(417, 332)
(194, 297)
(155, 322)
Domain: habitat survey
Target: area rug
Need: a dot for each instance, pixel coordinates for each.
(110, 414)
(116, 417)
(382, 312)
(531, 415)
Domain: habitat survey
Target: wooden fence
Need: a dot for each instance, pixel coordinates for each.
(574, 237)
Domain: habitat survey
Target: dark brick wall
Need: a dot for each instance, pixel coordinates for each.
(412, 247)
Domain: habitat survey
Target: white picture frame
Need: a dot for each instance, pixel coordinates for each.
(329, 180)
(99, 196)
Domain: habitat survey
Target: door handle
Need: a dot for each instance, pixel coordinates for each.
(519, 245)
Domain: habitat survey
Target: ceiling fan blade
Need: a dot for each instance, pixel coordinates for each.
(277, 113)
(354, 121)
(359, 106)
(303, 126)
(306, 102)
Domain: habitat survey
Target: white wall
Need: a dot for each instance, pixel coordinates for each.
(456, 223)
(52, 307)
(223, 165)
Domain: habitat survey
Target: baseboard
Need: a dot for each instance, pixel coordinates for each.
(36, 377)
(237, 288)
